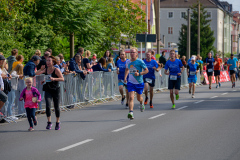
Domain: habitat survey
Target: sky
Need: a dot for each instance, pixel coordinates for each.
(235, 3)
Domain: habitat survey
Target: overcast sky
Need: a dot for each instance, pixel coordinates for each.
(235, 3)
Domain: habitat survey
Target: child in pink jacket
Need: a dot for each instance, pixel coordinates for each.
(31, 97)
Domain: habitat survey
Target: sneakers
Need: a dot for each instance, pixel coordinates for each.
(49, 125)
(219, 84)
(122, 101)
(151, 106)
(57, 127)
(126, 106)
(142, 107)
(130, 115)
(234, 84)
(146, 100)
(177, 96)
(216, 86)
(30, 129)
(189, 91)
(173, 106)
(210, 87)
(35, 122)
(193, 96)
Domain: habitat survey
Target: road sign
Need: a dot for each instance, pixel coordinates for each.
(150, 37)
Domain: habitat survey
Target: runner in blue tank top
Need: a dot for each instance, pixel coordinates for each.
(149, 78)
(192, 70)
(209, 62)
(174, 82)
(136, 68)
(121, 67)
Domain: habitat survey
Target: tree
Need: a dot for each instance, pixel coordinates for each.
(206, 34)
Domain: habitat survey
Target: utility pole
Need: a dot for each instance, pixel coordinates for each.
(198, 45)
(238, 44)
(157, 13)
(231, 44)
(147, 27)
(71, 45)
(189, 35)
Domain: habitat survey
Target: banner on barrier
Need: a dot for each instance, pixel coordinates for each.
(224, 77)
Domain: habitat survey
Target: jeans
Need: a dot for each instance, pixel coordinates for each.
(31, 115)
(11, 98)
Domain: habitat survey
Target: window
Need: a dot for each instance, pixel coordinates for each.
(170, 14)
(170, 30)
(209, 14)
(183, 14)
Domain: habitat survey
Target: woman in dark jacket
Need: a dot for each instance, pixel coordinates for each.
(99, 66)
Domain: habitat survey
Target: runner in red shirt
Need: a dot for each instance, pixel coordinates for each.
(153, 53)
(217, 69)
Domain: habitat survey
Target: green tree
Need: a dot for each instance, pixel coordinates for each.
(206, 34)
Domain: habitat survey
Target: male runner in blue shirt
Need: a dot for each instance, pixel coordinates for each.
(192, 70)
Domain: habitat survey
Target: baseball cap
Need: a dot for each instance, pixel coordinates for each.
(94, 57)
(35, 58)
(2, 57)
(193, 58)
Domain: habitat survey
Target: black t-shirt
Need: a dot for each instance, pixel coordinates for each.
(85, 61)
(210, 61)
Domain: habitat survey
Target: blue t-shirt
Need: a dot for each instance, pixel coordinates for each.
(210, 61)
(150, 65)
(192, 70)
(136, 66)
(233, 62)
(174, 67)
(122, 67)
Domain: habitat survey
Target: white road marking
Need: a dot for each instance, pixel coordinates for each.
(234, 90)
(75, 145)
(224, 93)
(157, 116)
(199, 101)
(182, 108)
(120, 129)
(214, 97)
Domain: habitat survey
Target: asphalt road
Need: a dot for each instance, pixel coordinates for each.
(204, 128)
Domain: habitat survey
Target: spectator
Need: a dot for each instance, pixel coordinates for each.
(62, 61)
(38, 53)
(162, 59)
(57, 65)
(43, 60)
(12, 59)
(107, 54)
(52, 91)
(3, 96)
(50, 51)
(75, 65)
(19, 61)
(200, 64)
(86, 62)
(100, 66)
(153, 55)
(110, 64)
(94, 59)
(184, 62)
(16, 73)
(6, 64)
(30, 68)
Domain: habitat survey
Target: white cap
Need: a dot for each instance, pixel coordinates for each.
(193, 58)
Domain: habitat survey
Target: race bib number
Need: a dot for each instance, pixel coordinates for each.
(148, 80)
(132, 71)
(210, 70)
(235, 70)
(172, 77)
(192, 73)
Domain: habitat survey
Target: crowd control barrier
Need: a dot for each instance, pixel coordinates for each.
(97, 86)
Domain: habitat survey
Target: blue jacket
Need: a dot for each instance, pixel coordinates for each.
(29, 69)
(74, 67)
(110, 66)
(97, 67)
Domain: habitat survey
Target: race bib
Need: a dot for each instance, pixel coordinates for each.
(34, 99)
(210, 70)
(148, 80)
(132, 71)
(192, 73)
(173, 77)
(235, 70)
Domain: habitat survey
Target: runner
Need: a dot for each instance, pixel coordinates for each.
(121, 67)
(209, 62)
(174, 82)
(192, 70)
(233, 65)
(136, 69)
(217, 69)
(149, 78)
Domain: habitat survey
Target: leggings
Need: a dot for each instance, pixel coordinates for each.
(48, 98)
(31, 115)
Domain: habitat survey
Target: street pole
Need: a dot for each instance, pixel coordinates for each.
(198, 45)
(147, 26)
(231, 44)
(71, 45)
(189, 35)
(157, 13)
(223, 39)
(238, 36)
(141, 42)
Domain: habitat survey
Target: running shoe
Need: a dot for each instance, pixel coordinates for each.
(35, 122)
(189, 91)
(122, 101)
(57, 127)
(126, 106)
(193, 96)
(142, 107)
(30, 129)
(173, 106)
(130, 115)
(216, 86)
(151, 105)
(49, 125)
(146, 100)
(234, 84)
(210, 87)
(219, 84)
(177, 96)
